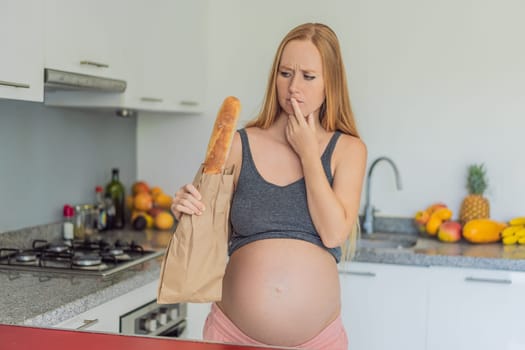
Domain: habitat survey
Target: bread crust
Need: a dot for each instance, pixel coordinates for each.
(222, 136)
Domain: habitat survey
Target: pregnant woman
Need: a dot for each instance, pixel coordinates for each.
(299, 172)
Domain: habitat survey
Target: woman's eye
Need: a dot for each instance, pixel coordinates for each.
(285, 74)
(309, 77)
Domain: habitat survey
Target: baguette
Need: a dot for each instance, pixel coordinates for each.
(222, 136)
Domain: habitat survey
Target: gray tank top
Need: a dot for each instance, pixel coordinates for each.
(261, 210)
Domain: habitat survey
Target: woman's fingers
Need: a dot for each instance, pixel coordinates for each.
(299, 117)
(188, 201)
(191, 189)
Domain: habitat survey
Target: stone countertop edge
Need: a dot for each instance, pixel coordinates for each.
(408, 258)
(87, 302)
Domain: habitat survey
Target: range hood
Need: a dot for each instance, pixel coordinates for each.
(61, 80)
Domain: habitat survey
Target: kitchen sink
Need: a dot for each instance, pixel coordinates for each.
(379, 240)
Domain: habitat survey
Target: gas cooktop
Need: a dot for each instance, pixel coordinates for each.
(95, 257)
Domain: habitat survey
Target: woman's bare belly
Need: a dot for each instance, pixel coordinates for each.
(281, 291)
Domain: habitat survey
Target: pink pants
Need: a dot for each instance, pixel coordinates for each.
(219, 328)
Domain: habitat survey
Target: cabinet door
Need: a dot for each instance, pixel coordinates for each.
(173, 47)
(476, 309)
(86, 36)
(197, 314)
(384, 306)
(22, 59)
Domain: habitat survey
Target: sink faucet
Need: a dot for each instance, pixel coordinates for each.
(368, 223)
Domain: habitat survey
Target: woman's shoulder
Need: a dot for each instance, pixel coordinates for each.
(350, 149)
(353, 143)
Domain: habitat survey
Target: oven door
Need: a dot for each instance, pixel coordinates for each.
(152, 319)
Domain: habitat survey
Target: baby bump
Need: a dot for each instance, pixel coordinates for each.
(281, 291)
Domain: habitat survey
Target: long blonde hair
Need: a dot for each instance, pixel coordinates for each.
(336, 111)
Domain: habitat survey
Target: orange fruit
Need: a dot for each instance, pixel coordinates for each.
(142, 201)
(163, 201)
(139, 186)
(164, 221)
(156, 191)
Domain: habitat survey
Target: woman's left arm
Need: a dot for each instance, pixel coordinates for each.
(335, 209)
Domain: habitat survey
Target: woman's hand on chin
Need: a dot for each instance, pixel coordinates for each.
(300, 132)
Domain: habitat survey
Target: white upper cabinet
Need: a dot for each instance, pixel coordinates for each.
(473, 309)
(158, 47)
(86, 36)
(172, 46)
(384, 306)
(22, 58)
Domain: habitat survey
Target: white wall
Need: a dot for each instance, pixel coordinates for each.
(52, 156)
(436, 86)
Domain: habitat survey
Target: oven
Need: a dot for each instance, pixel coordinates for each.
(152, 319)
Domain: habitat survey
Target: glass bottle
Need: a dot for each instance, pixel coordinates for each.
(79, 230)
(67, 225)
(101, 218)
(89, 219)
(115, 190)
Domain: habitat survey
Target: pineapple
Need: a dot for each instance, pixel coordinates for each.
(475, 206)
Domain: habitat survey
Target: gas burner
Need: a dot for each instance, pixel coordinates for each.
(91, 244)
(115, 256)
(26, 256)
(86, 260)
(114, 252)
(53, 247)
(57, 248)
(130, 247)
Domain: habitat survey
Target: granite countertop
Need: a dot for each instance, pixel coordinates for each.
(431, 252)
(43, 299)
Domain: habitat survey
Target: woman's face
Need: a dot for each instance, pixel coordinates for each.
(300, 76)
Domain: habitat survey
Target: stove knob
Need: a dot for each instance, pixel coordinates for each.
(151, 323)
(163, 316)
(143, 324)
(174, 313)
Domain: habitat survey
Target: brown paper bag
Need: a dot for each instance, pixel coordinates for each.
(196, 257)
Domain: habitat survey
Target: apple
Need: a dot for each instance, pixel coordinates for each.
(449, 231)
(155, 211)
(420, 219)
(140, 186)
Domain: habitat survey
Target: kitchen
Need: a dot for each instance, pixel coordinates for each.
(451, 72)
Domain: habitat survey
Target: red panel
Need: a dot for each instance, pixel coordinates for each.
(26, 338)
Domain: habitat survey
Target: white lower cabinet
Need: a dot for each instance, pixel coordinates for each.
(471, 309)
(106, 317)
(384, 306)
(197, 314)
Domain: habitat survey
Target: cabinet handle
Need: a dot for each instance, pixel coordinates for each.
(488, 280)
(189, 103)
(96, 64)
(88, 323)
(359, 273)
(151, 99)
(12, 84)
